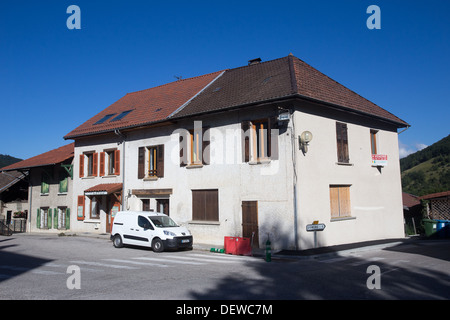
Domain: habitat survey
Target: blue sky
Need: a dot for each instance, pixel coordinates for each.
(52, 79)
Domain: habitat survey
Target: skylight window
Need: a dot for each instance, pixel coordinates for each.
(121, 116)
(105, 118)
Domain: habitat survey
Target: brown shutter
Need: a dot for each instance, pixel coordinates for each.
(183, 148)
(117, 162)
(205, 146)
(95, 164)
(160, 160)
(102, 164)
(81, 165)
(245, 141)
(334, 201)
(80, 208)
(342, 142)
(141, 163)
(272, 138)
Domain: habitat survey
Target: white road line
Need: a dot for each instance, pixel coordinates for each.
(98, 264)
(225, 256)
(169, 260)
(206, 259)
(138, 263)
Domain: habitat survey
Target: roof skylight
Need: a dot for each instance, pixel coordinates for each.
(105, 118)
(121, 116)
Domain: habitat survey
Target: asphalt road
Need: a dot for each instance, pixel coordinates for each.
(52, 267)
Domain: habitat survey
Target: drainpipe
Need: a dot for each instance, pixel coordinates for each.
(123, 137)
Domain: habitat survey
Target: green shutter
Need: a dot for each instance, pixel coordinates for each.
(55, 218)
(38, 219)
(67, 218)
(49, 219)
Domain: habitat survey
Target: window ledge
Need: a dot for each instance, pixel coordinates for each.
(342, 219)
(345, 164)
(204, 222)
(194, 166)
(150, 178)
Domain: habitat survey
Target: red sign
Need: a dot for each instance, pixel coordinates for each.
(379, 160)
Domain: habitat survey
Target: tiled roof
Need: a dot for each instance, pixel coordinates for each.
(280, 78)
(287, 77)
(410, 200)
(148, 106)
(436, 195)
(105, 187)
(48, 158)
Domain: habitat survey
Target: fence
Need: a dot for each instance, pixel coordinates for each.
(13, 226)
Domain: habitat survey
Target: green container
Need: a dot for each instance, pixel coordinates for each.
(429, 226)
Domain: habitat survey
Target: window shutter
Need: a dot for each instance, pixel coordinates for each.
(38, 219)
(117, 162)
(342, 142)
(95, 164)
(245, 141)
(160, 160)
(183, 148)
(205, 146)
(141, 163)
(67, 218)
(81, 165)
(272, 138)
(102, 164)
(49, 218)
(80, 208)
(55, 218)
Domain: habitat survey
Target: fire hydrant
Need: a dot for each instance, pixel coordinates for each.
(268, 250)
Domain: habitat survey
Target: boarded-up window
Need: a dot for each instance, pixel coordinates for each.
(342, 142)
(205, 205)
(340, 201)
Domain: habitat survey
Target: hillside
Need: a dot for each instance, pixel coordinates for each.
(6, 160)
(427, 171)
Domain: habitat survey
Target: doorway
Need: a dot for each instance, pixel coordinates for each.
(162, 205)
(250, 221)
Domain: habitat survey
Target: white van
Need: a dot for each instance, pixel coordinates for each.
(149, 229)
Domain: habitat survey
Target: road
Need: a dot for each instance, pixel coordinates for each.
(52, 267)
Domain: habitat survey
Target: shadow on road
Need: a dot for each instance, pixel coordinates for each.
(345, 278)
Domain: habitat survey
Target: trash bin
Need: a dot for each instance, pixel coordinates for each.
(443, 228)
(229, 244)
(429, 226)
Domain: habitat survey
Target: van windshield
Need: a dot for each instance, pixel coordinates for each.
(163, 222)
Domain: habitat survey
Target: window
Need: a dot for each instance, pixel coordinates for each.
(92, 164)
(43, 218)
(342, 142)
(340, 201)
(63, 218)
(373, 141)
(205, 205)
(95, 208)
(144, 223)
(194, 147)
(121, 116)
(260, 140)
(105, 118)
(151, 162)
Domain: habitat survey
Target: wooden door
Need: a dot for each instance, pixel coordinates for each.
(115, 207)
(162, 205)
(250, 221)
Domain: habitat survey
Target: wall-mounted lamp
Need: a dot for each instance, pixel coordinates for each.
(304, 139)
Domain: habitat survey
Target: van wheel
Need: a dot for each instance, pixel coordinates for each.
(117, 241)
(157, 245)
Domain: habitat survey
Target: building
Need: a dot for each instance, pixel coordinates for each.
(257, 151)
(49, 189)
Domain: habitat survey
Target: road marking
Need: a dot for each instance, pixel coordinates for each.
(98, 264)
(225, 256)
(138, 263)
(169, 261)
(207, 259)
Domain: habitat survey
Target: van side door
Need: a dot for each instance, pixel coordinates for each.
(136, 233)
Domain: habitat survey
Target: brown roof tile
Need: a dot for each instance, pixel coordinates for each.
(148, 106)
(48, 158)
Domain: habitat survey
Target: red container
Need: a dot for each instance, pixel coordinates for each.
(238, 246)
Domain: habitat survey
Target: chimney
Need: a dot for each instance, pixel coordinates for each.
(254, 61)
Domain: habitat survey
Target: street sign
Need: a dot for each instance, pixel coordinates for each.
(315, 227)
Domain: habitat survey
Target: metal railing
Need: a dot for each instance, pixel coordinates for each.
(13, 226)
